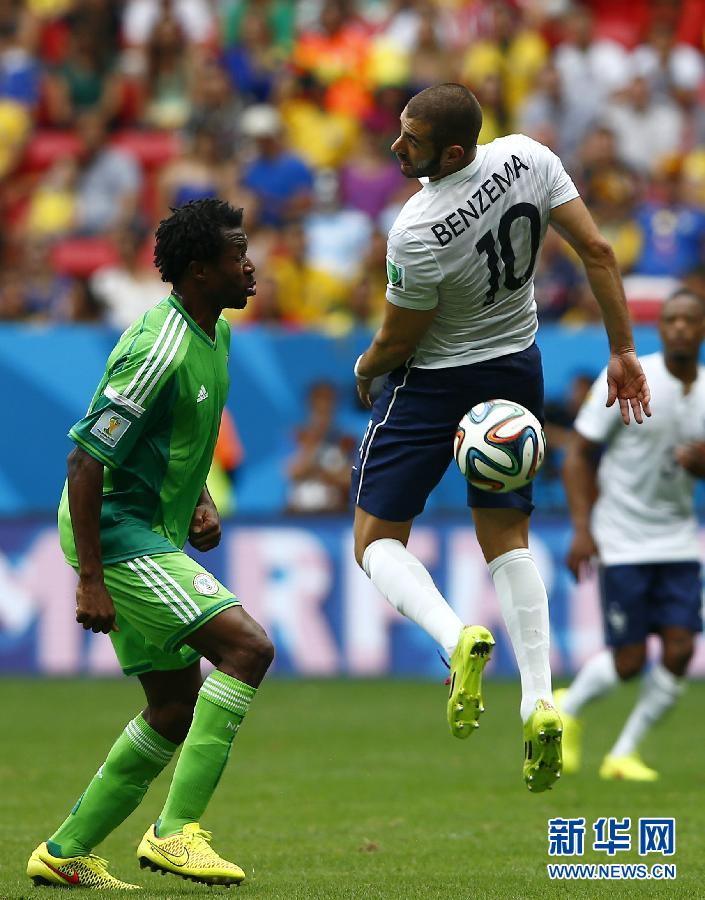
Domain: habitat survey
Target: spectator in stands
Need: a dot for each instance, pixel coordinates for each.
(432, 64)
(512, 52)
(254, 63)
(337, 237)
(168, 63)
(496, 119)
(303, 295)
(319, 471)
(646, 129)
(323, 138)
(85, 80)
(336, 54)
(586, 63)
(52, 207)
(596, 155)
(195, 17)
(215, 106)
(199, 172)
(280, 180)
(548, 108)
(673, 228)
(132, 286)
(12, 297)
(15, 130)
(109, 181)
(673, 70)
(281, 21)
(46, 292)
(20, 72)
(82, 305)
(382, 116)
(370, 178)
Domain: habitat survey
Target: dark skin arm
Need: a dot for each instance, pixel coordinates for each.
(94, 605)
(204, 533)
(580, 480)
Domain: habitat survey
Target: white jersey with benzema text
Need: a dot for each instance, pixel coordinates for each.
(468, 244)
(644, 511)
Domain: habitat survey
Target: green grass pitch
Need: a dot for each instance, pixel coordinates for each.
(356, 790)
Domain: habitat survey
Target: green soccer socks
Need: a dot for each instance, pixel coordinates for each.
(220, 708)
(119, 785)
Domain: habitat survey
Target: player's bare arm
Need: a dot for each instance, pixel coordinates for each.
(94, 605)
(692, 457)
(204, 533)
(580, 480)
(626, 381)
(395, 342)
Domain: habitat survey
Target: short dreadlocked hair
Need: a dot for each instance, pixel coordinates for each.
(194, 232)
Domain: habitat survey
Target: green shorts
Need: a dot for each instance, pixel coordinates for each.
(159, 601)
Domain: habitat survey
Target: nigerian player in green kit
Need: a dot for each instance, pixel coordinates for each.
(135, 494)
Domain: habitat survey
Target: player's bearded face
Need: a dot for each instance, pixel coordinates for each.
(422, 168)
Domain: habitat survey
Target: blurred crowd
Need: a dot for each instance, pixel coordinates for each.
(113, 112)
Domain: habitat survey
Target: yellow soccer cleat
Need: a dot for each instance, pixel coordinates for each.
(74, 872)
(572, 736)
(188, 854)
(466, 664)
(627, 768)
(543, 757)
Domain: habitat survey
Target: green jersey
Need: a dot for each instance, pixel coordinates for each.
(153, 423)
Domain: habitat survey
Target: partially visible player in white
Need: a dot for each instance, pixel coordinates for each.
(459, 328)
(632, 509)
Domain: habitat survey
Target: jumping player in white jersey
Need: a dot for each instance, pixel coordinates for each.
(632, 508)
(459, 329)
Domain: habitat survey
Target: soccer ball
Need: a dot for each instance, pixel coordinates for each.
(499, 446)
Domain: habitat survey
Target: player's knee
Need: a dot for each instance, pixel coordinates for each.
(251, 654)
(677, 653)
(629, 661)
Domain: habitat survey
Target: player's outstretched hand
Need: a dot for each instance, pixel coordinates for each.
(94, 606)
(204, 533)
(626, 382)
(581, 554)
(692, 457)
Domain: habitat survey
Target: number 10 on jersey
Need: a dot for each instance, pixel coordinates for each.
(488, 244)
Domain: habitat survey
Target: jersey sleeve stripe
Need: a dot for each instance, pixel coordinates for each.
(90, 449)
(151, 353)
(165, 365)
(135, 394)
(121, 400)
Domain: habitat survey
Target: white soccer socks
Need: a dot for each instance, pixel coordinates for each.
(660, 691)
(597, 677)
(407, 585)
(524, 605)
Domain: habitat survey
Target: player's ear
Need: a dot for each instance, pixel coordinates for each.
(454, 153)
(197, 270)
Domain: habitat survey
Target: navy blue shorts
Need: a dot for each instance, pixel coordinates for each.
(409, 439)
(642, 598)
